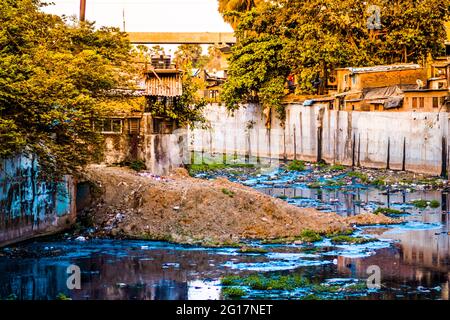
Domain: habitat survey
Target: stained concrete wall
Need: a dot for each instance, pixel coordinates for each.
(163, 152)
(413, 140)
(29, 206)
(160, 152)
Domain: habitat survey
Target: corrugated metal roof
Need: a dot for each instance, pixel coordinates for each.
(383, 68)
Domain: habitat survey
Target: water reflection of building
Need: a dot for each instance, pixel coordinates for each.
(422, 258)
(119, 275)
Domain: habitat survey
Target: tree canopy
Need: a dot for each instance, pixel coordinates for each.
(309, 39)
(54, 74)
(231, 9)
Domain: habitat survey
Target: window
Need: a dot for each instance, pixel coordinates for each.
(435, 102)
(422, 102)
(414, 103)
(133, 126)
(163, 126)
(109, 125)
(157, 124)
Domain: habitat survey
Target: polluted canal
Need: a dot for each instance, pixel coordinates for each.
(408, 260)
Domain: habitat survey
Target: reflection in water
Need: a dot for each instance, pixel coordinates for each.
(413, 257)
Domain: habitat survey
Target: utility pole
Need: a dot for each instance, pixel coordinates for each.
(123, 18)
(82, 10)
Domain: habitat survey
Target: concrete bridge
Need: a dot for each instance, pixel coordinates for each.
(182, 38)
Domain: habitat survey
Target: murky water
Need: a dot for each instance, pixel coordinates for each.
(413, 257)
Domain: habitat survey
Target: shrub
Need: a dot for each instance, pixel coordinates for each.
(228, 192)
(353, 240)
(137, 165)
(420, 204)
(296, 165)
(233, 292)
(387, 211)
(230, 281)
(310, 236)
(261, 282)
(435, 204)
(359, 175)
(252, 250)
(336, 167)
(62, 296)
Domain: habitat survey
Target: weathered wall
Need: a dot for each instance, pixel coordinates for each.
(30, 207)
(160, 152)
(413, 140)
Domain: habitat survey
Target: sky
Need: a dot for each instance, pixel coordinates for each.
(148, 15)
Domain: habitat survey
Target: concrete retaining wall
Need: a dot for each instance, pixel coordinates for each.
(160, 152)
(415, 141)
(30, 207)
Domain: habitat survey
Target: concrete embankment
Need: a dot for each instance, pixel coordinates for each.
(182, 209)
(411, 141)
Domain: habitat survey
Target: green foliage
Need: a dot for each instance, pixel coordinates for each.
(233, 292)
(230, 281)
(190, 54)
(262, 282)
(12, 297)
(253, 250)
(62, 296)
(310, 236)
(420, 204)
(232, 9)
(434, 204)
(209, 167)
(378, 182)
(336, 167)
(310, 39)
(137, 165)
(228, 192)
(324, 288)
(257, 71)
(348, 239)
(296, 165)
(312, 297)
(359, 175)
(188, 109)
(54, 74)
(387, 211)
(423, 204)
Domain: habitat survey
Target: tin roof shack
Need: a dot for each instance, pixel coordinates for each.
(163, 92)
(378, 87)
(163, 145)
(357, 79)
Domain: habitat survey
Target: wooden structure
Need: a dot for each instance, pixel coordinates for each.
(163, 79)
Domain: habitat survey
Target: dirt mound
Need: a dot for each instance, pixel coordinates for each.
(187, 210)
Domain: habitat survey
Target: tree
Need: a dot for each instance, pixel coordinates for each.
(186, 110)
(232, 9)
(54, 74)
(190, 54)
